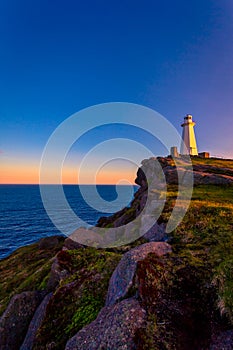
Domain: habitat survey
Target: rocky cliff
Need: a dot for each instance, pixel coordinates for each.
(162, 291)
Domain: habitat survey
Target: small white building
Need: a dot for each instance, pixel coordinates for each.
(188, 137)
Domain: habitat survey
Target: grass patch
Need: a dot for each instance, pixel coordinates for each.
(215, 162)
(185, 293)
(28, 268)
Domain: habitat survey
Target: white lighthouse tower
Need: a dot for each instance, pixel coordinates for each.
(188, 137)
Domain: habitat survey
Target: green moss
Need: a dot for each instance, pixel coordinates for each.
(80, 296)
(26, 269)
(88, 258)
(109, 225)
(86, 312)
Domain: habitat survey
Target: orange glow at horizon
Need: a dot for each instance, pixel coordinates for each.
(29, 174)
(19, 174)
(104, 177)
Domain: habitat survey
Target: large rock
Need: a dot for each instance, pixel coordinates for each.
(156, 233)
(70, 244)
(202, 178)
(57, 273)
(87, 237)
(114, 328)
(202, 174)
(50, 242)
(212, 169)
(16, 318)
(35, 323)
(223, 341)
(123, 276)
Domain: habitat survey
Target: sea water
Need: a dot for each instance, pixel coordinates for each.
(24, 220)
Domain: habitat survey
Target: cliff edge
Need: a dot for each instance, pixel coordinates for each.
(162, 291)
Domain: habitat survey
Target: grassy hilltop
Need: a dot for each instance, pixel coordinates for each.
(187, 295)
(199, 274)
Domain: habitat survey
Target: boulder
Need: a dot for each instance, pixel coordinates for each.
(202, 178)
(50, 242)
(87, 237)
(35, 323)
(114, 328)
(57, 273)
(212, 169)
(70, 244)
(123, 277)
(156, 233)
(16, 318)
(223, 341)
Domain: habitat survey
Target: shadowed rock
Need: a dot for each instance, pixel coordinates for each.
(16, 318)
(50, 242)
(123, 276)
(202, 178)
(35, 324)
(223, 341)
(71, 244)
(156, 233)
(57, 273)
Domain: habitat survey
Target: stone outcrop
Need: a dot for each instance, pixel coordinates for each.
(157, 233)
(204, 178)
(16, 318)
(223, 341)
(57, 273)
(123, 277)
(114, 328)
(35, 324)
(48, 243)
(160, 172)
(202, 174)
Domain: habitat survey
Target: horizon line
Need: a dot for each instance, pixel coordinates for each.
(56, 184)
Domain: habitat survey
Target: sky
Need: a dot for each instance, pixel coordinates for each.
(57, 58)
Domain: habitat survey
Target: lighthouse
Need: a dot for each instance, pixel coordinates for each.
(188, 137)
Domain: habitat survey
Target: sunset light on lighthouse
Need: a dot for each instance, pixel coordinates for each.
(189, 145)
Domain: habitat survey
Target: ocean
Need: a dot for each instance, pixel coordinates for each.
(24, 220)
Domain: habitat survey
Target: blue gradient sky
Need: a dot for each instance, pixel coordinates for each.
(59, 57)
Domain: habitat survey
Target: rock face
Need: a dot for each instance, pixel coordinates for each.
(50, 242)
(223, 341)
(204, 178)
(157, 233)
(202, 174)
(123, 277)
(56, 274)
(159, 172)
(114, 328)
(16, 318)
(35, 324)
